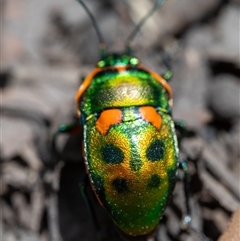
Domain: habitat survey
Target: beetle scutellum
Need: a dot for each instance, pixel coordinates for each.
(130, 143)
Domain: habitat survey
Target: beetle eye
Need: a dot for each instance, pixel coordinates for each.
(155, 151)
(112, 154)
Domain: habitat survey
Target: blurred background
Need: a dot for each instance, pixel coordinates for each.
(47, 47)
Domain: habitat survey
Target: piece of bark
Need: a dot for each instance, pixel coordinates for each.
(219, 192)
(232, 233)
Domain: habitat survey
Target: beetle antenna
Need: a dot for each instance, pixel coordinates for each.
(102, 45)
(130, 38)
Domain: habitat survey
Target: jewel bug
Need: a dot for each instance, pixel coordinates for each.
(129, 138)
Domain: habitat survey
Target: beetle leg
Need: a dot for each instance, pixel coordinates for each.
(62, 129)
(187, 218)
(184, 167)
(83, 185)
(182, 129)
(200, 234)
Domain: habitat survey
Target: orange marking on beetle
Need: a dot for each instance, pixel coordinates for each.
(161, 80)
(108, 118)
(150, 114)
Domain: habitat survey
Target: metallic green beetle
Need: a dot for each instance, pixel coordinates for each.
(130, 144)
(129, 141)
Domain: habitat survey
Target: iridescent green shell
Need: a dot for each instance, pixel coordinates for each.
(133, 165)
(133, 87)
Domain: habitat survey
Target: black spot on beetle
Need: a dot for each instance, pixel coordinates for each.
(155, 151)
(112, 154)
(154, 181)
(120, 185)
